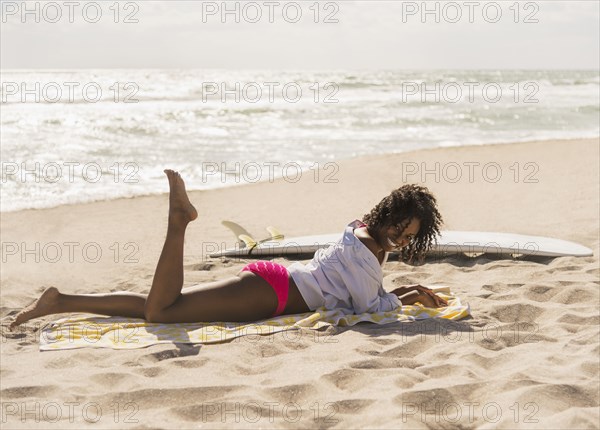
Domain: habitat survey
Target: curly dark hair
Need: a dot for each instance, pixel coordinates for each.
(407, 202)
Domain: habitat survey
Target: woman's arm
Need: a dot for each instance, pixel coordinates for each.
(419, 294)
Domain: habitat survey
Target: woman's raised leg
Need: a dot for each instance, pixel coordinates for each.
(166, 286)
(168, 277)
(245, 297)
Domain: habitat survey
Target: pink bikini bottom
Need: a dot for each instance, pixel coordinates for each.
(277, 276)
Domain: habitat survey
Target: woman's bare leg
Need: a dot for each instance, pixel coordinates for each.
(53, 302)
(122, 304)
(166, 286)
(168, 277)
(245, 297)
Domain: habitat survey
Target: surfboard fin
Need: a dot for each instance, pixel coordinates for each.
(251, 243)
(275, 234)
(248, 241)
(237, 230)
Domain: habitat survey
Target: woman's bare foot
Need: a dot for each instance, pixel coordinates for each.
(46, 304)
(180, 208)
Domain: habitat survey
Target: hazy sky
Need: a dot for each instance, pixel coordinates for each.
(368, 35)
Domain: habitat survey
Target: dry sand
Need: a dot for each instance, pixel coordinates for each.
(528, 358)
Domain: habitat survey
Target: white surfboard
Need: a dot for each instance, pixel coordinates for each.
(449, 242)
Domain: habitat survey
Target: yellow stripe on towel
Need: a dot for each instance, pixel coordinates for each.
(131, 333)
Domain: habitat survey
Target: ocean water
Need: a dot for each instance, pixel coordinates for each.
(86, 135)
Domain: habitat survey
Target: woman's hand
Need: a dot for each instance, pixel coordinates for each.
(423, 295)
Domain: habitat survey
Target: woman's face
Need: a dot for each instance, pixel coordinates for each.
(392, 238)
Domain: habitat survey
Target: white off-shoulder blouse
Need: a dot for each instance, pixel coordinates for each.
(346, 276)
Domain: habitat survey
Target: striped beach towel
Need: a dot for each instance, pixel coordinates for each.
(132, 333)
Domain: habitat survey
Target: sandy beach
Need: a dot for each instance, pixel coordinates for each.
(528, 357)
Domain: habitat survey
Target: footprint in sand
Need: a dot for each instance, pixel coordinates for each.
(540, 293)
(113, 379)
(590, 369)
(4, 373)
(426, 399)
(267, 350)
(348, 406)
(510, 335)
(200, 266)
(496, 288)
(150, 372)
(516, 312)
(226, 412)
(567, 268)
(36, 391)
(190, 364)
(444, 370)
(156, 398)
(569, 296)
(368, 364)
(567, 283)
(61, 363)
(386, 363)
(298, 393)
(414, 278)
(559, 397)
(383, 341)
(570, 318)
(255, 369)
(183, 351)
(346, 379)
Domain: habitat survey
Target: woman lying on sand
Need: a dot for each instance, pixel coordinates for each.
(346, 275)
